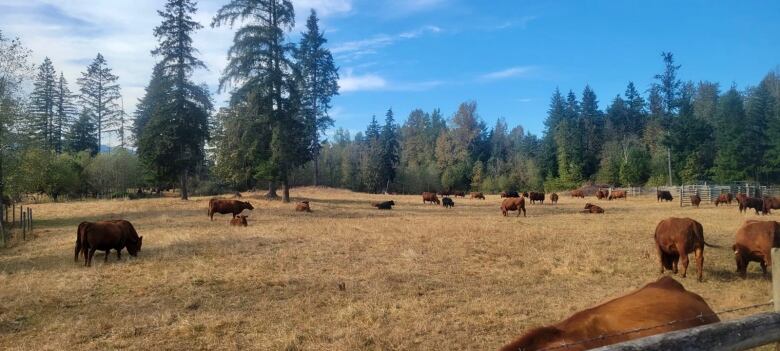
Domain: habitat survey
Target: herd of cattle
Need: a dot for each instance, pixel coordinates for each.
(664, 303)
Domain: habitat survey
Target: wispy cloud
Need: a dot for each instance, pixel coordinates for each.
(351, 82)
(400, 8)
(512, 72)
(354, 49)
(521, 23)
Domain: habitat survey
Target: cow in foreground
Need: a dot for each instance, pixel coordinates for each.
(664, 195)
(536, 197)
(430, 197)
(617, 194)
(578, 193)
(447, 202)
(723, 199)
(385, 205)
(477, 195)
(591, 208)
(303, 206)
(513, 204)
(675, 238)
(239, 221)
(105, 236)
(659, 303)
(695, 200)
(754, 243)
(554, 198)
(223, 206)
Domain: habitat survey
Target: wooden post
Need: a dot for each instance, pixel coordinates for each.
(23, 222)
(29, 219)
(2, 228)
(13, 216)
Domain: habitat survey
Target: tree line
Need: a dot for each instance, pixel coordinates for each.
(272, 131)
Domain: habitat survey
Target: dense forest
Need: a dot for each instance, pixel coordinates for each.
(276, 130)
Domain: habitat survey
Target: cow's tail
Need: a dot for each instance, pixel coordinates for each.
(711, 245)
(80, 240)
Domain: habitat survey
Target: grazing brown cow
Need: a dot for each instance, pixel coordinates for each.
(534, 197)
(477, 195)
(771, 203)
(723, 199)
(664, 195)
(239, 221)
(458, 194)
(385, 205)
(591, 208)
(617, 194)
(447, 202)
(445, 193)
(740, 197)
(659, 303)
(554, 198)
(430, 197)
(513, 204)
(675, 238)
(222, 206)
(577, 193)
(751, 202)
(303, 206)
(105, 236)
(695, 200)
(601, 194)
(754, 243)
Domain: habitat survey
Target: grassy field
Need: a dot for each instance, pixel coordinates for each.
(419, 277)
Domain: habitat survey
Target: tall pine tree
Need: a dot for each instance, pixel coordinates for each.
(100, 96)
(65, 111)
(43, 104)
(390, 149)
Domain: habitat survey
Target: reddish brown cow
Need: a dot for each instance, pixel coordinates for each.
(695, 200)
(105, 236)
(740, 198)
(723, 199)
(577, 193)
(659, 303)
(239, 221)
(458, 194)
(591, 208)
(513, 204)
(746, 203)
(601, 194)
(771, 203)
(675, 238)
(754, 243)
(536, 197)
(477, 195)
(223, 206)
(617, 194)
(430, 197)
(554, 198)
(303, 206)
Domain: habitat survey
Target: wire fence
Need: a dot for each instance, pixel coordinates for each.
(637, 330)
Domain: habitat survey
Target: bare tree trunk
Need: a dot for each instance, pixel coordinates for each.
(185, 194)
(285, 191)
(271, 194)
(316, 168)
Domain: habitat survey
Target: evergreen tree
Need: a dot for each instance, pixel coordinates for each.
(555, 115)
(259, 63)
(172, 140)
(636, 110)
(156, 93)
(82, 135)
(705, 101)
(44, 105)
(319, 83)
(669, 85)
(390, 149)
(99, 96)
(64, 114)
(592, 129)
(730, 133)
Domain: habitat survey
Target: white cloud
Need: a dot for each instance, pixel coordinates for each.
(513, 72)
(351, 50)
(350, 82)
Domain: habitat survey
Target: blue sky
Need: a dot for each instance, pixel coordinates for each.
(508, 56)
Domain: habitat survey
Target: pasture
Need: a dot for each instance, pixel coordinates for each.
(419, 277)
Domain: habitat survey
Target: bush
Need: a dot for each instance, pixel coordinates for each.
(556, 184)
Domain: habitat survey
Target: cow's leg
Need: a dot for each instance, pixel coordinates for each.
(675, 260)
(763, 268)
(518, 212)
(683, 257)
(700, 262)
(660, 258)
(108, 252)
(741, 266)
(91, 254)
(78, 251)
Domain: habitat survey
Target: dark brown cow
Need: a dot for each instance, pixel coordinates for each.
(445, 193)
(577, 193)
(695, 200)
(740, 197)
(447, 202)
(664, 195)
(591, 208)
(430, 197)
(554, 198)
(223, 206)
(751, 202)
(385, 205)
(458, 194)
(239, 221)
(303, 206)
(536, 197)
(663, 303)
(754, 243)
(723, 199)
(509, 194)
(771, 203)
(477, 195)
(525, 194)
(105, 236)
(513, 204)
(617, 194)
(602, 194)
(675, 238)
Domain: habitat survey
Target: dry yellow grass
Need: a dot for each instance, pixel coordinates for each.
(419, 277)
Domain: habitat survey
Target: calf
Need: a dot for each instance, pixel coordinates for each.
(239, 221)
(695, 200)
(591, 208)
(554, 198)
(447, 202)
(385, 205)
(303, 206)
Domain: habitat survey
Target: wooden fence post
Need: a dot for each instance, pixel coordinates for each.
(2, 228)
(776, 283)
(29, 219)
(23, 224)
(13, 216)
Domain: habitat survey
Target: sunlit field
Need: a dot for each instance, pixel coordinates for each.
(419, 277)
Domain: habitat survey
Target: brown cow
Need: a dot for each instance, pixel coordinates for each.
(554, 198)
(740, 197)
(239, 221)
(675, 238)
(513, 204)
(591, 208)
(656, 304)
(577, 193)
(601, 194)
(754, 243)
(385, 205)
(430, 197)
(723, 199)
(534, 197)
(222, 206)
(303, 206)
(105, 236)
(771, 203)
(664, 195)
(477, 195)
(695, 200)
(459, 194)
(509, 194)
(617, 194)
(751, 202)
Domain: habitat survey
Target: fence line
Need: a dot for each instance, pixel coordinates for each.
(25, 223)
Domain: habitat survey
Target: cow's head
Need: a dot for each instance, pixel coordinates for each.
(133, 247)
(248, 206)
